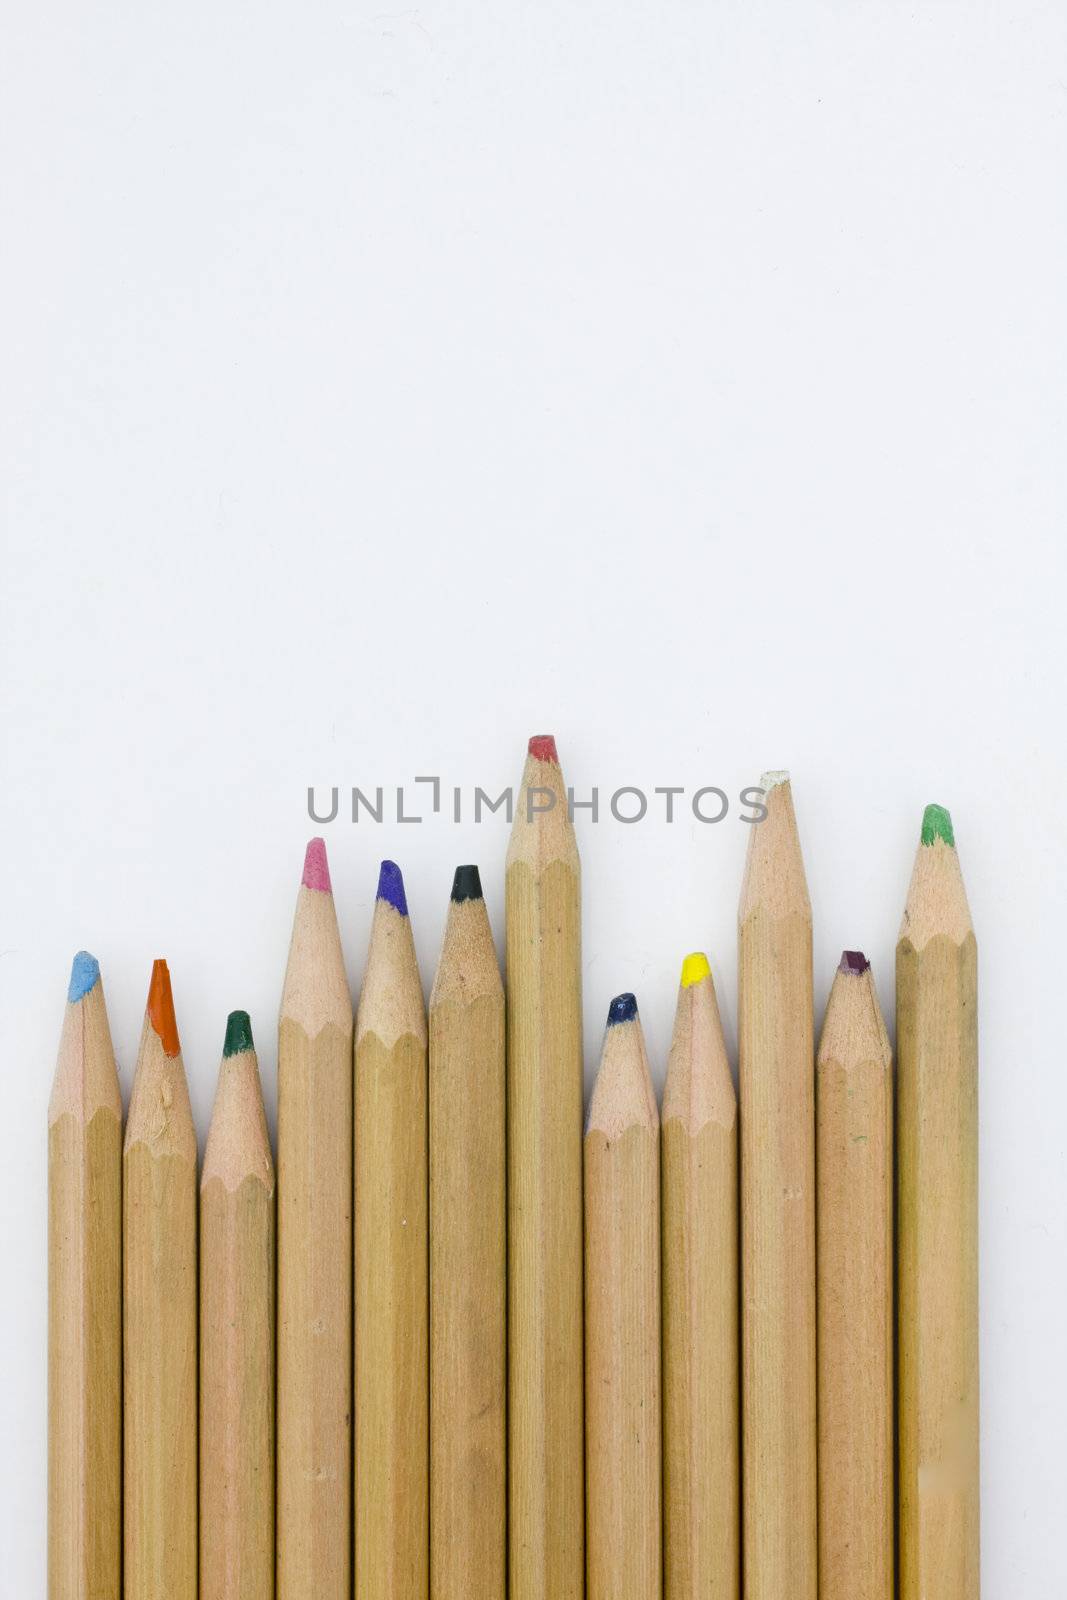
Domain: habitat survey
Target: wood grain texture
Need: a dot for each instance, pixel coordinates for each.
(777, 1081)
(468, 1265)
(237, 1262)
(624, 1558)
(854, 1164)
(392, 1271)
(160, 1331)
(937, 1211)
(701, 1363)
(545, 1094)
(314, 1306)
(85, 1310)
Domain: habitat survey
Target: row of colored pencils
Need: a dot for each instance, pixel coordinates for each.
(454, 1353)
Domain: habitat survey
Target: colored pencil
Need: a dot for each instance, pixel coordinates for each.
(237, 1333)
(701, 1435)
(544, 1011)
(314, 1525)
(937, 1221)
(622, 1320)
(854, 1164)
(159, 1306)
(85, 1301)
(468, 1258)
(777, 1073)
(392, 1293)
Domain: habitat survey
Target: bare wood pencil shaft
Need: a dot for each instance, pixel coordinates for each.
(937, 1147)
(468, 1266)
(237, 1343)
(85, 1309)
(391, 1274)
(545, 1444)
(701, 1365)
(160, 1328)
(777, 1213)
(855, 1293)
(622, 1353)
(314, 1350)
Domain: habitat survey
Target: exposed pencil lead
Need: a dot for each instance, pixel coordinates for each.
(853, 961)
(316, 867)
(771, 780)
(238, 1034)
(467, 884)
(622, 1009)
(161, 1008)
(391, 887)
(937, 824)
(84, 975)
(543, 747)
(694, 968)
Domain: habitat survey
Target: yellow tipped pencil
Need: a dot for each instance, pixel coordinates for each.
(159, 1305)
(854, 1115)
(624, 1558)
(701, 1434)
(937, 1226)
(237, 1334)
(777, 1073)
(314, 1527)
(468, 1258)
(391, 1281)
(85, 1301)
(545, 1092)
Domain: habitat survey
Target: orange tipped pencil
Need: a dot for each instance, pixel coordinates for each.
(237, 1334)
(854, 1111)
(701, 1377)
(937, 1226)
(777, 1073)
(159, 1304)
(544, 1112)
(85, 1301)
(314, 1528)
(468, 1258)
(392, 1264)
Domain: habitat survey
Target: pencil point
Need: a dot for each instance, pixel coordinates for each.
(694, 968)
(543, 748)
(467, 884)
(316, 867)
(937, 824)
(622, 1009)
(854, 962)
(238, 1034)
(771, 780)
(391, 887)
(161, 1008)
(84, 975)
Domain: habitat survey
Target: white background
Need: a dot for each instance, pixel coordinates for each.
(382, 386)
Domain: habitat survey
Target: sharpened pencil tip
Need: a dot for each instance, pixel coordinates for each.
(937, 824)
(84, 974)
(543, 748)
(161, 1008)
(694, 968)
(771, 780)
(467, 884)
(238, 1034)
(316, 867)
(391, 887)
(622, 1009)
(854, 962)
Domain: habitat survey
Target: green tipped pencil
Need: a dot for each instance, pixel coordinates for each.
(937, 1223)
